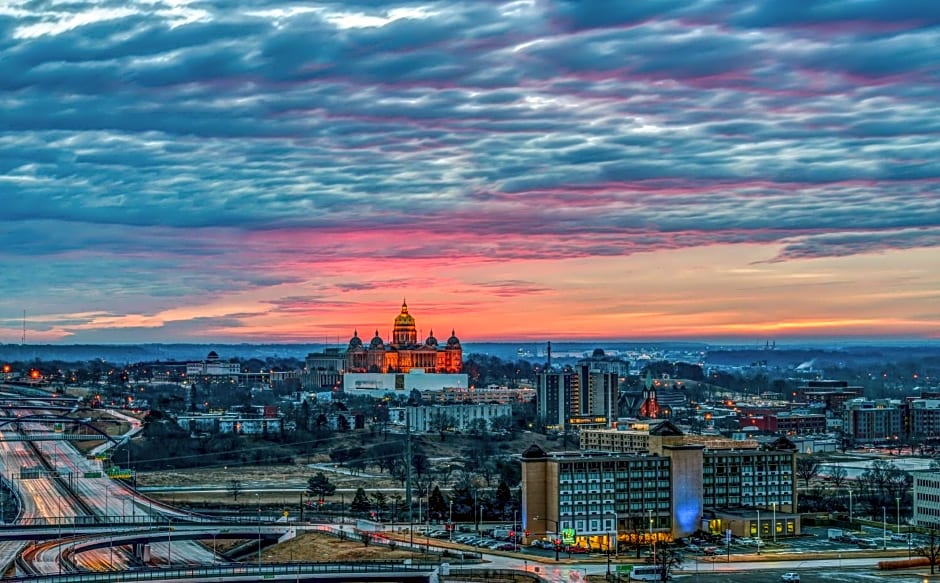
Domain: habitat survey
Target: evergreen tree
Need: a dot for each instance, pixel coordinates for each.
(437, 505)
(360, 502)
(320, 486)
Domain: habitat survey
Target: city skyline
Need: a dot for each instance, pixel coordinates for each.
(269, 171)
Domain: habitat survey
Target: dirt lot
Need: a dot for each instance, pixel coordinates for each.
(322, 547)
(283, 484)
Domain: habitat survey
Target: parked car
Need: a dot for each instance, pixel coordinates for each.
(790, 577)
(899, 537)
(710, 551)
(506, 547)
(694, 548)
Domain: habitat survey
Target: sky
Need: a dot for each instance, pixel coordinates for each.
(268, 171)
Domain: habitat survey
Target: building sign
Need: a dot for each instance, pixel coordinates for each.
(568, 536)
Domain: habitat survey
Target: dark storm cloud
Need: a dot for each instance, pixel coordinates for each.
(161, 141)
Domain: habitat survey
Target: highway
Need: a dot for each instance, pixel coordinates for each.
(83, 490)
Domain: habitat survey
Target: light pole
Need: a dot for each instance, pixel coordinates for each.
(774, 526)
(652, 540)
(884, 529)
(259, 532)
(898, 500)
(758, 531)
(849, 490)
(554, 538)
(515, 547)
(450, 521)
(169, 542)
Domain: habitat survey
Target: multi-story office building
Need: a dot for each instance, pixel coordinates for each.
(578, 398)
(832, 394)
(926, 499)
(865, 420)
(436, 418)
(488, 394)
(924, 417)
(787, 423)
(324, 370)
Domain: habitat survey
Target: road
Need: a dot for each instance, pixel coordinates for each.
(45, 500)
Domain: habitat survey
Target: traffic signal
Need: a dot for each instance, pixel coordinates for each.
(527, 532)
(320, 501)
(512, 534)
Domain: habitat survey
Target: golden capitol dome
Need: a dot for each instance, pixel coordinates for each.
(404, 319)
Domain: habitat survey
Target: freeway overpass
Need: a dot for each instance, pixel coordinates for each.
(187, 531)
(379, 572)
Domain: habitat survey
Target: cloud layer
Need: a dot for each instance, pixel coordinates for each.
(189, 168)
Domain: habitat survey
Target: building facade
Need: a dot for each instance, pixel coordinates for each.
(926, 499)
(697, 479)
(437, 418)
(876, 421)
(578, 398)
(403, 352)
(213, 366)
(324, 370)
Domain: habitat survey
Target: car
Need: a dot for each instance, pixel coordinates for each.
(710, 551)
(790, 577)
(506, 547)
(693, 548)
(578, 550)
(899, 537)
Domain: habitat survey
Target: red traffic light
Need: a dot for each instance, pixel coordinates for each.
(527, 532)
(512, 533)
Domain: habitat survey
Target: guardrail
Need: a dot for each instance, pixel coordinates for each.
(264, 571)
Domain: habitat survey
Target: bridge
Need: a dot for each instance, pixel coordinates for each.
(379, 572)
(152, 531)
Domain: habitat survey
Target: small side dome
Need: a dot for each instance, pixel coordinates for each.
(598, 353)
(213, 355)
(377, 341)
(355, 341)
(453, 341)
(431, 341)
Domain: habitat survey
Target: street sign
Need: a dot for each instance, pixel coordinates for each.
(728, 536)
(92, 474)
(624, 569)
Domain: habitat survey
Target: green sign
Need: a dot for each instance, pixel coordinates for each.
(568, 535)
(92, 474)
(624, 569)
(119, 473)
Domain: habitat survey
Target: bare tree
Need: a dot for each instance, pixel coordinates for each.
(666, 560)
(807, 468)
(931, 549)
(837, 476)
(234, 488)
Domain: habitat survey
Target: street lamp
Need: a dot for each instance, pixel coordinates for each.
(898, 500)
(774, 526)
(884, 528)
(258, 496)
(849, 490)
(554, 538)
(450, 521)
(758, 531)
(652, 540)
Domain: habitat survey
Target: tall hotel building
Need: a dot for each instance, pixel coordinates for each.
(671, 483)
(586, 395)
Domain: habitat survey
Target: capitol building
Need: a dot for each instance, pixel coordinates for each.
(403, 352)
